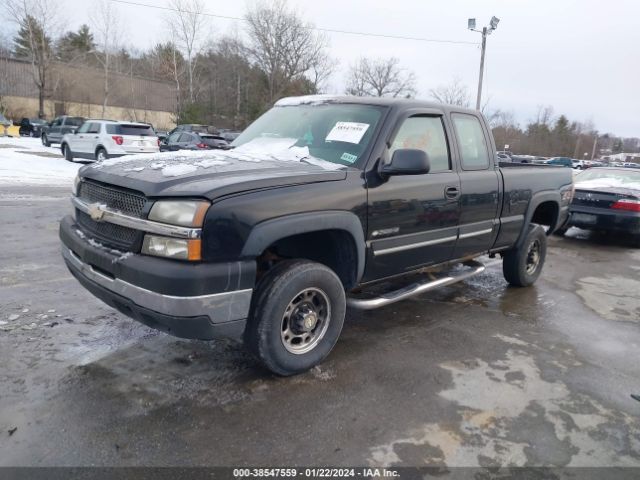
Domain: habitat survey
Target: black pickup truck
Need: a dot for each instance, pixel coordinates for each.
(323, 203)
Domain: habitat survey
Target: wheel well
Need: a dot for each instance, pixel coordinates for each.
(98, 148)
(546, 214)
(334, 248)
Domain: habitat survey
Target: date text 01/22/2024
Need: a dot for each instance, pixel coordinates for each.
(364, 472)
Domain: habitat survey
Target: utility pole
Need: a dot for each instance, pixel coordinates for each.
(484, 47)
(471, 25)
(593, 151)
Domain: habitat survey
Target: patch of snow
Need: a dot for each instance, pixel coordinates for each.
(178, 169)
(13, 316)
(25, 161)
(211, 163)
(304, 100)
(134, 169)
(607, 183)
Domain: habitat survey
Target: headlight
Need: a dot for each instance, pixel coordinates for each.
(76, 184)
(172, 247)
(184, 213)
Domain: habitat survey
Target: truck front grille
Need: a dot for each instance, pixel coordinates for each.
(109, 234)
(125, 201)
(128, 202)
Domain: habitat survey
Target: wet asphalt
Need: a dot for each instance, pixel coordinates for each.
(478, 373)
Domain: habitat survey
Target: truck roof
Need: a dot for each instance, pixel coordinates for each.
(381, 101)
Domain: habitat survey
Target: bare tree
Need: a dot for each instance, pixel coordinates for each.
(282, 45)
(455, 93)
(381, 77)
(106, 23)
(187, 26)
(38, 23)
(321, 70)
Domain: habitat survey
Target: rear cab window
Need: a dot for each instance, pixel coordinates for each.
(424, 133)
(474, 153)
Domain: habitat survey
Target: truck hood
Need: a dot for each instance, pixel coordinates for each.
(212, 174)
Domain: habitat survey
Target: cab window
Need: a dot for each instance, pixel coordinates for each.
(473, 145)
(426, 134)
(94, 128)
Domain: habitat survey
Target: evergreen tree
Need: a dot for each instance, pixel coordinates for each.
(75, 44)
(31, 42)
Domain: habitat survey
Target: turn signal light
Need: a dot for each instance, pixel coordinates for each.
(202, 145)
(627, 204)
(118, 139)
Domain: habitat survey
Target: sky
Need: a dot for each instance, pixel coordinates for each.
(581, 57)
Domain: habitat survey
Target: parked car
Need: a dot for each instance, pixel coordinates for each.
(4, 123)
(561, 162)
(58, 128)
(161, 134)
(606, 199)
(504, 157)
(520, 159)
(102, 139)
(320, 198)
(31, 127)
(229, 135)
(194, 127)
(193, 141)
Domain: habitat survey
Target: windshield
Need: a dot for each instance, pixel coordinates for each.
(336, 133)
(605, 178)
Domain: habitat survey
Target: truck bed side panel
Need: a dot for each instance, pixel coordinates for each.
(524, 187)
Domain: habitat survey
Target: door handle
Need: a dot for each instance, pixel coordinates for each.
(451, 192)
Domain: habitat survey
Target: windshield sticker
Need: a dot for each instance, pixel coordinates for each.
(349, 132)
(347, 157)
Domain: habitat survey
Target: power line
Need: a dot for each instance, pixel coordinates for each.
(328, 30)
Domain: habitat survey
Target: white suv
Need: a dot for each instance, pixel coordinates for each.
(102, 139)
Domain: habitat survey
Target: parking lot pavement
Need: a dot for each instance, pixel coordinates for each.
(475, 374)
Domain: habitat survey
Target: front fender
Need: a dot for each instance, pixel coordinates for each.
(270, 231)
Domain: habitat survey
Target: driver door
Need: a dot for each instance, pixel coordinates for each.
(413, 219)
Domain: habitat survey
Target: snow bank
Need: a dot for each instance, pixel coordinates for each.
(25, 161)
(607, 183)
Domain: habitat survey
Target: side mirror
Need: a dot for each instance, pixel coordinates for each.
(407, 161)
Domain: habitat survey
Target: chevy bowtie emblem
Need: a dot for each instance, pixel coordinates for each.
(96, 212)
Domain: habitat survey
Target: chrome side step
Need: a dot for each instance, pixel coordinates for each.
(414, 289)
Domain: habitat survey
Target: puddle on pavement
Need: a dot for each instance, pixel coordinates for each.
(505, 408)
(612, 297)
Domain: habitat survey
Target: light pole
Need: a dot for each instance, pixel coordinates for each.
(471, 25)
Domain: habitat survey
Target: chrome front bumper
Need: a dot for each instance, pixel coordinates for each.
(218, 307)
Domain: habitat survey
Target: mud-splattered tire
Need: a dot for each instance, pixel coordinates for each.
(296, 316)
(521, 266)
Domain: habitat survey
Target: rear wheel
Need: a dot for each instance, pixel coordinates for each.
(45, 140)
(521, 266)
(66, 151)
(296, 316)
(101, 154)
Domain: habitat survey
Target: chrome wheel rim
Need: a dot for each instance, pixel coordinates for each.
(533, 257)
(305, 321)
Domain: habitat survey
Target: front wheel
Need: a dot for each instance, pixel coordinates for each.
(45, 140)
(296, 316)
(521, 266)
